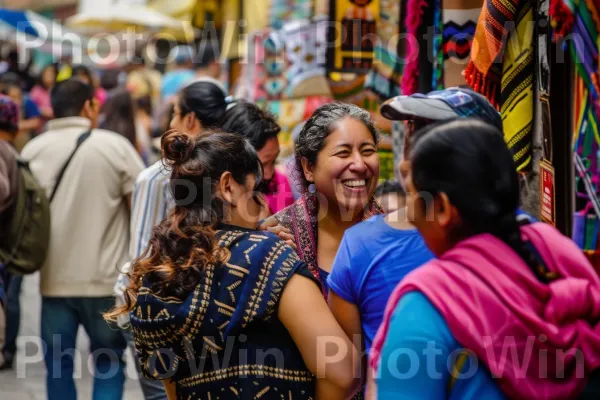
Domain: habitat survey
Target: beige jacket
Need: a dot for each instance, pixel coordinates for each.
(90, 217)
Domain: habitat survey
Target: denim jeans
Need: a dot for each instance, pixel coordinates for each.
(153, 390)
(61, 317)
(13, 315)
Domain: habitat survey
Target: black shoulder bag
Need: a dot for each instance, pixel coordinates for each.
(82, 138)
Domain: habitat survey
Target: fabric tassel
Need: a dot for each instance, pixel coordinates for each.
(484, 85)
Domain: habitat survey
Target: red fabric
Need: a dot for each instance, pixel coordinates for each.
(562, 18)
(414, 18)
(495, 306)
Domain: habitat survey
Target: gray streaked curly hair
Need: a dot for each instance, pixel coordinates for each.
(319, 126)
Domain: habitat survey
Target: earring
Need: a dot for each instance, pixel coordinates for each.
(312, 189)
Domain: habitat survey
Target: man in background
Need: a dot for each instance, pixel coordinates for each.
(89, 237)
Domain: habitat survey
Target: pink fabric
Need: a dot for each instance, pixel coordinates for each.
(495, 306)
(101, 95)
(41, 98)
(414, 18)
(282, 193)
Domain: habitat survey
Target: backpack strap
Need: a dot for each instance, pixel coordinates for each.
(82, 138)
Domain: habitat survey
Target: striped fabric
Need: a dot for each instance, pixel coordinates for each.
(459, 19)
(580, 22)
(516, 94)
(504, 74)
(151, 202)
(453, 27)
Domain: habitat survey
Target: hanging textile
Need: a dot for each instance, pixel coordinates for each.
(414, 19)
(454, 23)
(453, 39)
(353, 46)
(437, 74)
(386, 75)
(254, 14)
(230, 30)
(582, 19)
(205, 12)
(504, 74)
(579, 21)
(321, 8)
(287, 63)
(305, 50)
(282, 11)
(292, 112)
(264, 74)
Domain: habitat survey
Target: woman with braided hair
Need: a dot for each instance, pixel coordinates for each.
(507, 310)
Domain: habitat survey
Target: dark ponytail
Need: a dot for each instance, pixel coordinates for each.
(184, 244)
(206, 98)
(468, 160)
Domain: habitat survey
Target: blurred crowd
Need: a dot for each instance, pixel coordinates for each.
(161, 216)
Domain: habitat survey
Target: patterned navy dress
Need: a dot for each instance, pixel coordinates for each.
(224, 341)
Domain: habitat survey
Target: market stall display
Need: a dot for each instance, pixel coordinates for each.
(580, 22)
(503, 72)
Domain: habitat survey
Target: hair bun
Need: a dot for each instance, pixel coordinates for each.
(177, 147)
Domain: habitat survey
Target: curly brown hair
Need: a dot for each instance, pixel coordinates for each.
(184, 244)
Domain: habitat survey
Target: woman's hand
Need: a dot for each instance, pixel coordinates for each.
(272, 225)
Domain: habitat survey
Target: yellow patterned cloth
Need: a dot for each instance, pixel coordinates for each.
(219, 341)
(504, 72)
(516, 94)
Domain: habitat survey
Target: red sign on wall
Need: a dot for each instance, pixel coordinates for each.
(547, 205)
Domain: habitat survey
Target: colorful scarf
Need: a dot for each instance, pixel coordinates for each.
(301, 218)
(504, 73)
(488, 301)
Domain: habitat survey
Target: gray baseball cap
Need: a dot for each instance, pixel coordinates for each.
(441, 105)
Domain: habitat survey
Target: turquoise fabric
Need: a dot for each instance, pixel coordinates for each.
(419, 353)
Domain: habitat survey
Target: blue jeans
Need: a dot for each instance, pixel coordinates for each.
(61, 317)
(13, 315)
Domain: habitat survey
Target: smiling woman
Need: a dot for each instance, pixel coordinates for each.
(337, 167)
